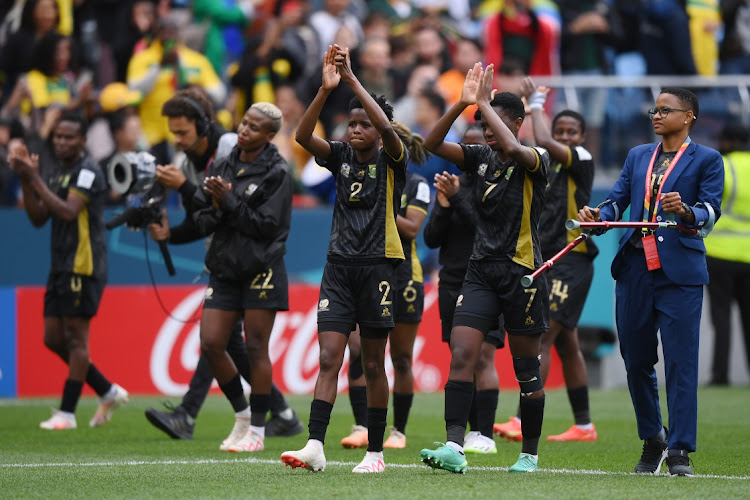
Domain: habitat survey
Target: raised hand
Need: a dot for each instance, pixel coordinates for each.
(527, 87)
(331, 76)
(344, 64)
(471, 84)
(23, 164)
(485, 92)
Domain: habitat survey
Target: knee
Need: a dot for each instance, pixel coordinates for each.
(461, 357)
(373, 369)
(329, 362)
(54, 343)
(402, 364)
(210, 345)
(256, 348)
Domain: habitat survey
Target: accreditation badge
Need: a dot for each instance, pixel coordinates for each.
(652, 255)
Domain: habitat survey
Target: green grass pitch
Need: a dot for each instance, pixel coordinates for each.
(128, 458)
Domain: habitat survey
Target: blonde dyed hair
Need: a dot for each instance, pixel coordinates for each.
(272, 112)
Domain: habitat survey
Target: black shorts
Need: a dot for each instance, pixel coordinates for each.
(71, 295)
(569, 282)
(492, 288)
(447, 297)
(267, 290)
(357, 294)
(409, 304)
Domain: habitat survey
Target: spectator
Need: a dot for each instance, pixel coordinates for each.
(157, 72)
(728, 251)
(332, 20)
(295, 155)
(586, 32)
(134, 35)
(422, 77)
(429, 47)
(704, 23)
(516, 32)
(375, 66)
(451, 82)
(38, 18)
(226, 21)
(430, 108)
(50, 81)
(734, 52)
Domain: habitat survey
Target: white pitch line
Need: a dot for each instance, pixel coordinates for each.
(333, 463)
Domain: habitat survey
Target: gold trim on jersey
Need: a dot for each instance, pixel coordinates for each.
(79, 194)
(400, 156)
(416, 266)
(525, 245)
(569, 161)
(538, 161)
(84, 260)
(393, 248)
(572, 213)
(414, 207)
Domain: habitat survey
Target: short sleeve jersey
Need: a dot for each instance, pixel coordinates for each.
(416, 196)
(508, 200)
(568, 190)
(368, 196)
(80, 246)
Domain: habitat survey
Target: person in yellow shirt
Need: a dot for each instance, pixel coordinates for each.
(166, 66)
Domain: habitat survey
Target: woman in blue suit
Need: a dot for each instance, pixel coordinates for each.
(660, 274)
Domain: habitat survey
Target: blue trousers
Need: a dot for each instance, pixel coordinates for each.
(647, 302)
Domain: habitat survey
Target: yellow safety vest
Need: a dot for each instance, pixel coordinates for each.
(730, 238)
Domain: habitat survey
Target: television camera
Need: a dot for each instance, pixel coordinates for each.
(133, 175)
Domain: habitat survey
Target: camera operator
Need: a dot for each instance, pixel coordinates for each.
(189, 114)
(72, 195)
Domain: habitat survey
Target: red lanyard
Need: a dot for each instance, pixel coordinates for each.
(647, 196)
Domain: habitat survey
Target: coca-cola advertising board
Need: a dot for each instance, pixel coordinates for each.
(150, 349)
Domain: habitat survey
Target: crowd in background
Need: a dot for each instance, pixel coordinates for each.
(118, 61)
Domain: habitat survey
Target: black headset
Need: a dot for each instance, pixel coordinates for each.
(203, 122)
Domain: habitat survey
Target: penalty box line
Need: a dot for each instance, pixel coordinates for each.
(131, 463)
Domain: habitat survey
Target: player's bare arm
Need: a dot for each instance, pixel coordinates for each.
(435, 140)
(391, 142)
(506, 139)
(304, 136)
(536, 96)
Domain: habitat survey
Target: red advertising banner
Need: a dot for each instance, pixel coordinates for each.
(146, 350)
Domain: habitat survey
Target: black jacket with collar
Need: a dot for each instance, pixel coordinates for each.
(252, 224)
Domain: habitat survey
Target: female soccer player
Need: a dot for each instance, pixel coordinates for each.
(246, 203)
(359, 279)
(451, 227)
(508, 194)
(570, 179)
(415, 201)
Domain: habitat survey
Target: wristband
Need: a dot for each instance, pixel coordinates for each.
(537, 100)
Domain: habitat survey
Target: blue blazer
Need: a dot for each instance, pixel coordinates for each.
(699, 178)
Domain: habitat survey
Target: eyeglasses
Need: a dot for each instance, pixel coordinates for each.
(663, 111)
